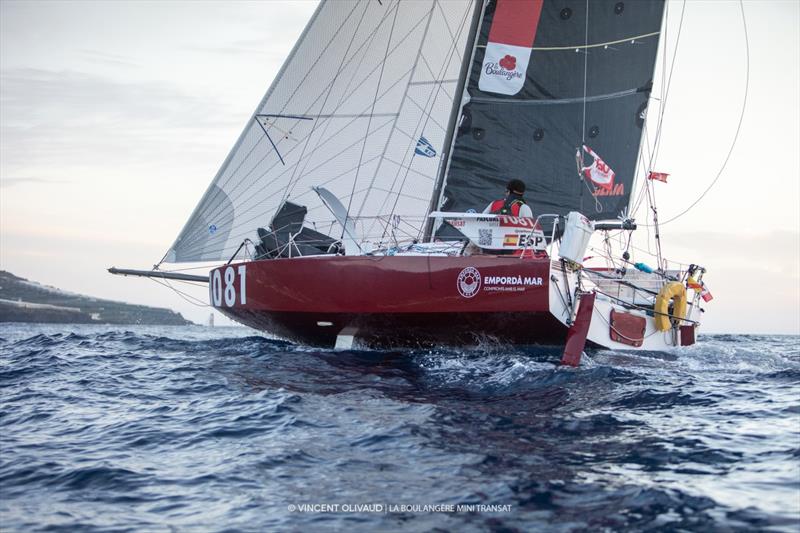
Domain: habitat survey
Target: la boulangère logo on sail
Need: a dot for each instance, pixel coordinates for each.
(506, 68)
(508, 49)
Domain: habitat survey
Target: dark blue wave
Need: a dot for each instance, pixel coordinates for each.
(194, 429)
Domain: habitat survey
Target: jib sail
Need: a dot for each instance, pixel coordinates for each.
(360, 107)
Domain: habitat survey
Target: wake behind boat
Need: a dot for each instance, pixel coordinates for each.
(349, 210)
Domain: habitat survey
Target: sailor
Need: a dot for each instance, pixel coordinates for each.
(513, 203)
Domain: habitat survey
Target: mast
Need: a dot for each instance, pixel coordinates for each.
(455, 115)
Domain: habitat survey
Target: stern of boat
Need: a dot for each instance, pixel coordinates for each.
(623, 315)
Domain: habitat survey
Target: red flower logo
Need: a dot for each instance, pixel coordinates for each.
(509, 62)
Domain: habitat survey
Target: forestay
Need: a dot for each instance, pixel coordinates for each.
(360, 107)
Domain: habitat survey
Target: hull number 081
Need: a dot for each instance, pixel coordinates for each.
(223, 286)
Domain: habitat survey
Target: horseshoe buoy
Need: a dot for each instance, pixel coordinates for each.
(675, 292)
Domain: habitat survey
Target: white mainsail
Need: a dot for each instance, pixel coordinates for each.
(360, 107)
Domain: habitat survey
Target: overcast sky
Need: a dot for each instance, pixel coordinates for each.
(114, 117)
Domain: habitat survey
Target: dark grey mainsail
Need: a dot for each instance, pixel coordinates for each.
(587, 83)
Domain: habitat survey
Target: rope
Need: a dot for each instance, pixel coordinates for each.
(585, 71)
(587, 46)
(288, 190)
(432, 97)
(187, 297)
(738, 127)
(369, 120)
(369, 39)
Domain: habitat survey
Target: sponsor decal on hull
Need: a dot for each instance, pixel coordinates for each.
(510, 283)
(470, 282)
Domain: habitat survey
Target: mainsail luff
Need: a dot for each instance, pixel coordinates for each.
(326, 80)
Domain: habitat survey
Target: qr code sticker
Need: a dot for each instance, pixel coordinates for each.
(484, 237)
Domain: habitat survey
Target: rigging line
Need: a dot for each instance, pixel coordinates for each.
(289, 100)
(377, 216)
(585, 73)
(345, 63)
(633, 201)
(651, 197)
(666, 82)
(349, 96)
(249, 126)
(330, 139)
(323, 163)
(403, 194)
(640, 162)
(738, 127)
(665, 90)
(449, 31)
(431, 99)
(369, 120)
(330, 180)
(434, 95)
(441, 83)
(245, 132)
(262, 201)
(212, 265)
(187, 297)
(427, 112)
(200, 233)
(394, 128)
(554, 101)
(289, 185)
(415, 171)
(588, 46)
(471, 40)
(645, 145)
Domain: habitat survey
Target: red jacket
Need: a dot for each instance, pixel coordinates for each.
(507, 206)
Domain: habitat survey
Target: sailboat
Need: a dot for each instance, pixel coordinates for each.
(350, 211)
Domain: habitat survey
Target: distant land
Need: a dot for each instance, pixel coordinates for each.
(27, 301)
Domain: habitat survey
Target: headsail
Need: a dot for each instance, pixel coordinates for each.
(548, 78)
(361, 107)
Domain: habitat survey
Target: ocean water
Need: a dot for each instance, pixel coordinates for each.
(197, 429)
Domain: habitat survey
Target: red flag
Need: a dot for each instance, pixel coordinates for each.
(600, 173)
(705, 294)
(658, 176)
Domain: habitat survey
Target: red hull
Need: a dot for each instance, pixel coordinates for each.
(393, 300)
